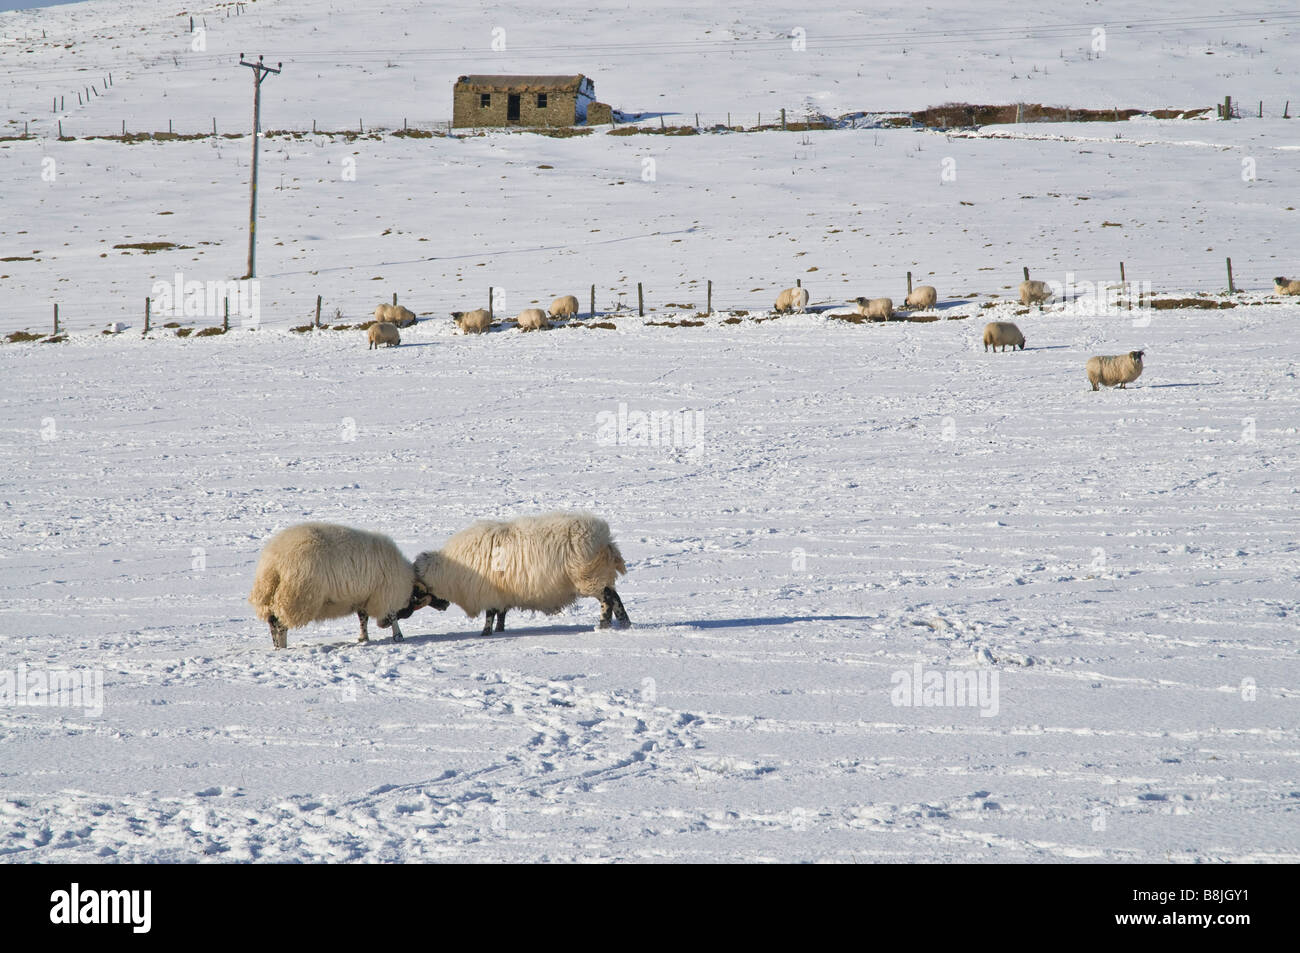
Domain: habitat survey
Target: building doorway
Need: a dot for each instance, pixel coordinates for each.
(512, 107)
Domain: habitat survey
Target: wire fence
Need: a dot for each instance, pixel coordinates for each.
(277, 302)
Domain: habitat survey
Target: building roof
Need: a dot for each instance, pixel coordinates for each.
(520, 84)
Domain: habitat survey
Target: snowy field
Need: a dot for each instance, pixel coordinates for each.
(858, 508)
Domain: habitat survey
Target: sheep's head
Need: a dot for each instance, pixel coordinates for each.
(1279, 280)
(420, 597)
(1136, 356)
(458, 317)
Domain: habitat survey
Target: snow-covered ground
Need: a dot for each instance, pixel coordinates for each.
(857, 506)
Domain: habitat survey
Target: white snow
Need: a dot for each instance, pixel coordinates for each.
(864, 498)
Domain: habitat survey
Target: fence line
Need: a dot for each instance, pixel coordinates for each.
(296, 308)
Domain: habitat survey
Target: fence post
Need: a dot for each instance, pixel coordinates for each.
(798, 282)
(640, 300)
(146, 314)
(1231, 289)
(225, 320)
(593, 301)
(490, 290)
(214, 127)
(909, 284)
(1227, 107)
(318, 311)
(1026, 273)
(60, 128)
(783, 119)
(56, 319)
(710, 303)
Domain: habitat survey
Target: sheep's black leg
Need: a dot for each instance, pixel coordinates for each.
(606, 608)
(501, 620)
(365, 636)
(279, 634)
(487, 626)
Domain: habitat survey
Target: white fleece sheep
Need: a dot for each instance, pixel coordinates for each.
(1034, 292)
(1003, 334)
(922, 297)
(316, 571)
(472, 322)
(381, 332)
(1114, 370)
(565, 306)
(877, 309)
(791, 299)
(395, 314)
(532, 319)
(543, 563)
(1283, 287)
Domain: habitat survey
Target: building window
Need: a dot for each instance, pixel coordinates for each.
(541, 100)
(484, 100)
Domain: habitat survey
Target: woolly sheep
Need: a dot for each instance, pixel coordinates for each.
(1283, 287)
(532, 319)
(923, 297)
(1034, 292)
(878, 309)
(792, 299)
(1114, 370)
(395, 314)
(565, 306)
(315, 571)
(543, 563)
(1003, 334)
(381, 332)
(472, 322)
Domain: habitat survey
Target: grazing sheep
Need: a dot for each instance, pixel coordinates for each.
(1114, 370)
(565, 306)
(543, 563)
(316, 571)
(1034, 292)
(923, 297)
(472, 322)
(877, 309)
(1283, 287)
(1003, 334)
(394, 314)
(532, 319)
(791, 299)
(381, 332)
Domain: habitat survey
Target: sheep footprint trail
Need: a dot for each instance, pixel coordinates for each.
(579, 740)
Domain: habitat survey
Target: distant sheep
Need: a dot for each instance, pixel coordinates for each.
(791, 299)
(532, 319)
(395, 314)
(472, 322)
(1034, 292)
(316, 571)
(923, 297)
(565, 306)
(1114, 370)
(1003, 334)
(543, 563)
(1283, 287)
(381, 332)
(877, 309)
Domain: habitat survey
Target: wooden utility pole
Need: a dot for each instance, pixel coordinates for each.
(260, 72)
